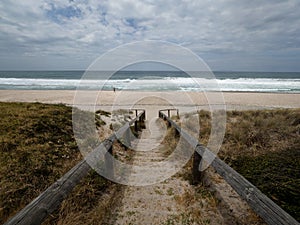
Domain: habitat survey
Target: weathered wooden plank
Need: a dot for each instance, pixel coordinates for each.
(36, 211)
(259, 202)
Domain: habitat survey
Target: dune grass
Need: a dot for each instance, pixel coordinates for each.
(264, 146)
(37, 147)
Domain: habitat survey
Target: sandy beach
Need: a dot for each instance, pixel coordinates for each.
(154, 101)
(234, 100)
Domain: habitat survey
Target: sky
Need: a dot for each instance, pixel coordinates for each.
(229, 35)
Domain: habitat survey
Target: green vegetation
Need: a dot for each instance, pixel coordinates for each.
(37, 147)
(264, 146)
(104, 113)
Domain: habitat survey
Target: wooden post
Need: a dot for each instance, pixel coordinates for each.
(163, 116)
(136, 122)
(109, 164)
(177, 133)
(142, 120)
(127, 137)
(169, 113)
(136, 126)
(169, 123)
(197, 174)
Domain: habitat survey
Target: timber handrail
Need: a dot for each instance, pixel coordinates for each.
(49, 200)
(268, 210)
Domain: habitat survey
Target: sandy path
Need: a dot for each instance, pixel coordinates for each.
(147, 204)
(156, 203)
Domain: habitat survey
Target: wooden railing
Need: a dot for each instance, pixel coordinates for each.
(169, 112)
(37, 211)
(268, 210)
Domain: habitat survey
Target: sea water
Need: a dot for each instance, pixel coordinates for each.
(282, 82)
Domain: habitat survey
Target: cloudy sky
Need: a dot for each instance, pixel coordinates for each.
(257, 35)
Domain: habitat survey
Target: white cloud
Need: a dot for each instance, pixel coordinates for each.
(82, 30)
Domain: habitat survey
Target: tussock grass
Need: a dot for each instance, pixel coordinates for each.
(264, 146)
(255, 133)
(37, 147)
(169, 142)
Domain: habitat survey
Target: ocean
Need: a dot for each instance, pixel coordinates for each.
(274, 82)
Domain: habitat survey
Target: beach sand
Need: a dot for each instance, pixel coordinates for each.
(153, 101)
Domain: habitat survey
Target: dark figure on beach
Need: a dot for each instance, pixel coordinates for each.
(114, 89)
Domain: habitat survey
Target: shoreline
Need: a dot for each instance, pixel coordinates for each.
(149, 91)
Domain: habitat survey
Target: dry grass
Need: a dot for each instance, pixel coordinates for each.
(88, 203)
(200, 205)
(169, 142)
(264, 146)
(256, 133)
(37, 147)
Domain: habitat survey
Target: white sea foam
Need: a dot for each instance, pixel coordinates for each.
(161, 84)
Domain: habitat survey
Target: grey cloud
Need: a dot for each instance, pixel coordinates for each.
(237, 29)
